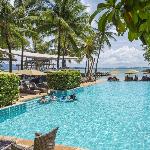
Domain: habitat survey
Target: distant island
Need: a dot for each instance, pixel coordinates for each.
(113, 68)
(6, 66)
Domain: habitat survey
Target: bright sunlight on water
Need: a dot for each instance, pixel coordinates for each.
(112, 116)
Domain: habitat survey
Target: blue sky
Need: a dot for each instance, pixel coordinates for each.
(123, 52)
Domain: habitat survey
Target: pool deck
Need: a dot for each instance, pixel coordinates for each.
(27, 97)
(28, 143)
(92, 83)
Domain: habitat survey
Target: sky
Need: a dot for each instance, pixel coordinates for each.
(123, 53)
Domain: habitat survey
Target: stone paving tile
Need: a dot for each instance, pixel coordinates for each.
(91, 83)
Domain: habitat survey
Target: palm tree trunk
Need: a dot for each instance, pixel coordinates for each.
(65, 65)
(88, 67)
(10, 59)
(22, 53)
(6, 33)
(92, 66)
(97, 61)
(85, 68)
(64, 52)
(10, 54)
(91, 70)
(59, 46)
(63, 59)
(34, 45)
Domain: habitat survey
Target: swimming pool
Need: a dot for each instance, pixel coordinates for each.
(108, 116)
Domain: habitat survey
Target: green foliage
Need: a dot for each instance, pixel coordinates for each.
(132, 16)
(11, 29)
(63, 80)
(9, 90)
(66, 21)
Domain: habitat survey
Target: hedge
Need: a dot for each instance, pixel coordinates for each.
(9, 89)
(64, 79)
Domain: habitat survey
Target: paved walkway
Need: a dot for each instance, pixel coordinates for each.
(92, 83)
(26, 97)
(28, 143)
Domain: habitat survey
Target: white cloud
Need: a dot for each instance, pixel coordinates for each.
(122, 57)
(123, 52)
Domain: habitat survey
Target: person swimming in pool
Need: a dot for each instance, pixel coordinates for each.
(53, 98)
(43, 99)
(70, 98)
(63, 98)
(73, 97)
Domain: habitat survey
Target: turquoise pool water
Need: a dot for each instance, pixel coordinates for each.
(109, 116)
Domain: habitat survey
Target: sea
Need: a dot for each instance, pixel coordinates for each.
(121, 70)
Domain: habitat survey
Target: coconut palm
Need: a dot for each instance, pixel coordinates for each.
(110, 11)
(68, 18)
(26, 18)
(89, 50)
(9, 27)
(103, 38)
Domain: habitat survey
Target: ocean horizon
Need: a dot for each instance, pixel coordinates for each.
(5, 67)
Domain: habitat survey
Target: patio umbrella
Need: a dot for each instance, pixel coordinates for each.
(131, 72)
(115, 72)
(30, 72)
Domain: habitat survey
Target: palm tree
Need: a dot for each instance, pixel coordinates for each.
(26, 18)
(147, 52)
(78, 20)
(68, 18)
(102, 39)
(88, 51)
(111, 13)
(10, 29)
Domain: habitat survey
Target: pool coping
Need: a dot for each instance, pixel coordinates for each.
(19, 102)
(27, 143)
(92, 83)
(24, 101)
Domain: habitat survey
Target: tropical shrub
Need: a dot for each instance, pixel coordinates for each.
(9, 90)
(63, 80)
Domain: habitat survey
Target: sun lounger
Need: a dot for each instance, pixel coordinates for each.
(25, 89)
(43, 85)
(41, 142)
(33, 86)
